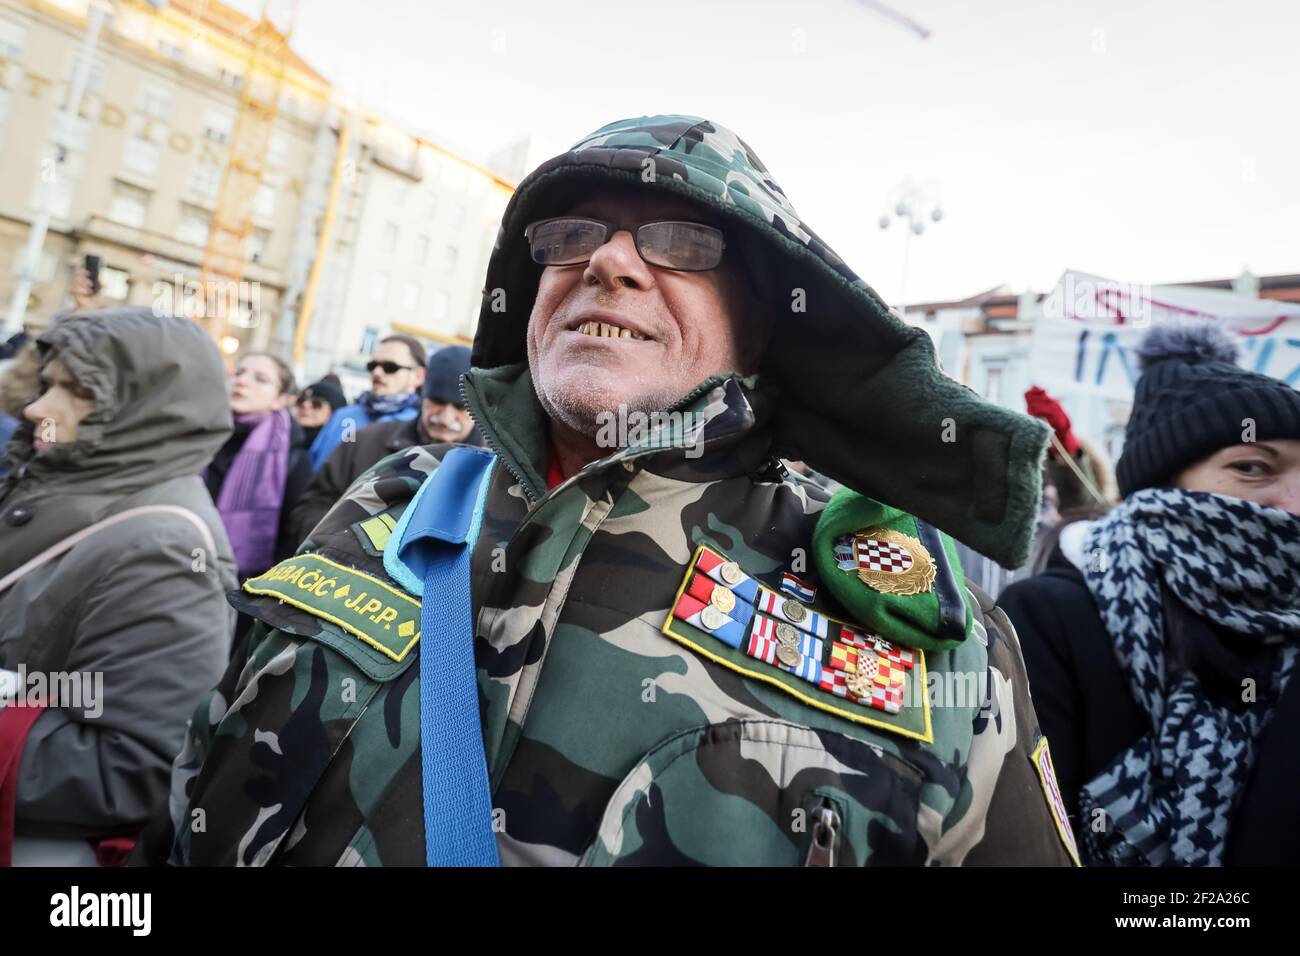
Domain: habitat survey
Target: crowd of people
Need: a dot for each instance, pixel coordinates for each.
(155, 501)
(142, 483)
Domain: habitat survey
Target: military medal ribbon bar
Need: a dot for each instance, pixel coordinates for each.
(842, 661)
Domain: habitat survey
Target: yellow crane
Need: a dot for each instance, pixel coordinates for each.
(226, 254)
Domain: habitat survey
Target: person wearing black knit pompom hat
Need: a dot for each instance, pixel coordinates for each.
(1161, 640)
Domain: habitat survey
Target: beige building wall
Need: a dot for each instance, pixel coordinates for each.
(421, 222)
(414, 223)
(140, 182)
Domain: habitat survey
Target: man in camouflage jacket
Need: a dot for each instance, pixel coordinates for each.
(614, 731)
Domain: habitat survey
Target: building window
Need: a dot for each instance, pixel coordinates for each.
(193, 227)
(994, 378)
(129, 205)
(264, 203)
(458, 217)
(453, 254)
(439, 306)
(411, 296)
(432, 209)
(422, 250)
(277, 150)
(169, 47)
(217, 127)
(232, 78)
(390, 237)
(257, 243)
(113, 283)
(205, 180)
(12, 40)
(155, 102)
(142, 156)
(379, 288)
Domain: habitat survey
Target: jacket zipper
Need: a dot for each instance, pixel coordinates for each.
(825, 836)
(490, 440)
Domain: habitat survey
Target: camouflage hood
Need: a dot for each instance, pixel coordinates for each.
(858, 394)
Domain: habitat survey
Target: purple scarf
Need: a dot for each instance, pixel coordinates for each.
(253, 492)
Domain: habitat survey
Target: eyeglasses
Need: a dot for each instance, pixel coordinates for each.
(315, 404)
(671, 244)
(390, 368)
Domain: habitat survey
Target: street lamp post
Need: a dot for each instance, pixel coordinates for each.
(913, 204)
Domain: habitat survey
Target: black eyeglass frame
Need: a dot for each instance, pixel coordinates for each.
(614, 228)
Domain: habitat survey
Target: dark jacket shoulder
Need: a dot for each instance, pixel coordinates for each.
(1079, 689)
(346, 464)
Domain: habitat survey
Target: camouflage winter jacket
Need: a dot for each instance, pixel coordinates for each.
(608, 741)
(614, 731)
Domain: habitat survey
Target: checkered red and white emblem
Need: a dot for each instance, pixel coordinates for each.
(876, 555)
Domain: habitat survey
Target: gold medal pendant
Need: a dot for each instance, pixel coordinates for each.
(723, 599)
(893, 563)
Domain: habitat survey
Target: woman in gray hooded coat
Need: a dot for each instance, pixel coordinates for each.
(119, 634)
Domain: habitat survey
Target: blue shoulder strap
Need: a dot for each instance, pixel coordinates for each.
(431, 558)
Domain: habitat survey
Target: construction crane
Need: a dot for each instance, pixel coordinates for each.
(226, 254)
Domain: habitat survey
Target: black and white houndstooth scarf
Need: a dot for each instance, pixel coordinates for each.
(1168, 800)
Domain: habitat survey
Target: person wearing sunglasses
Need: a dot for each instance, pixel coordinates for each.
(396, 373)
(442, 418)
(655, 655)
(316, 403)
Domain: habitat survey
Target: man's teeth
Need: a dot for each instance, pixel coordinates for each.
(603, 330)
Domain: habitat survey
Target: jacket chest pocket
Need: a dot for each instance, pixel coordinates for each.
(762, 793)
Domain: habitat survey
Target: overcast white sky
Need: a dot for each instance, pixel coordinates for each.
(1145, 141)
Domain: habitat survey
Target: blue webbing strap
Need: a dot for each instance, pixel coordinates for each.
(434, 540)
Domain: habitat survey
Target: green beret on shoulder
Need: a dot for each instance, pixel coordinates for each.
(894, 574)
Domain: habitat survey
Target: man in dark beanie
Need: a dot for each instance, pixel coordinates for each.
(1162, 638)
(442, 418)
(316, 403)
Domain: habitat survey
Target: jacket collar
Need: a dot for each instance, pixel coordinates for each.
(683, 441)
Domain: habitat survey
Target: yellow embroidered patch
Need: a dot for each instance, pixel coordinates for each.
(381, 615)
(375, 531)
